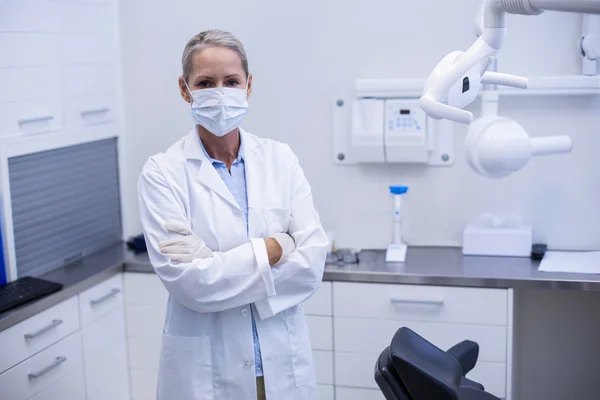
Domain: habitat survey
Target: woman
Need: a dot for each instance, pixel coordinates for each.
(233, 234)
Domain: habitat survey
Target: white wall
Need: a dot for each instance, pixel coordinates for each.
(305, 54)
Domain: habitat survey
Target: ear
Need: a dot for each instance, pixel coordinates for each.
(249, 86)
(184, 90)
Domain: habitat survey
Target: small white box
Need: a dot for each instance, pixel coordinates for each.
(497, 241)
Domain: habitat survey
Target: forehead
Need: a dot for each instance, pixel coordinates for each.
(216, 61)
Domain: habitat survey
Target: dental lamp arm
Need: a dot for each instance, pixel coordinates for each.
(576, 6)
(446, 75)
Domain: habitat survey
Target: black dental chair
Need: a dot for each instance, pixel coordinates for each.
(412, 368)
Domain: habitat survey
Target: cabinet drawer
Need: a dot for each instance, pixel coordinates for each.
(28, 50)
(29, 84)
(144, 353)
(320, 302)
(86, 18)
(58, 369)
(63, 389)
(356, 370)
(320, 330)
(88, 79)
(104, 368)
(372, 336)
(117, 389)
(103, 333)
(87, 49)
(323, 366)
(143, 384)
(146, 289)
(90, 109)
(30, 117)
(326, 392)
(38, 332)
(29, 16)
(145, 321)
(492, 376)
(345, 393)
(421, 303)
(101, 299)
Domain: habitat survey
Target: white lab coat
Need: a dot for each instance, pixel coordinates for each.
(207, 348)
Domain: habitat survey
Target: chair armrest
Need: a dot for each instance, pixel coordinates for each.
(466, 353)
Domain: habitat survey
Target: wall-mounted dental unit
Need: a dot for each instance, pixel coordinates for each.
(412, 120)
(497, 146)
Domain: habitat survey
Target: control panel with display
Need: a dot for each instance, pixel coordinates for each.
(405, 131)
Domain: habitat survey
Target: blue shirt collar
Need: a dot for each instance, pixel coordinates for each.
(239, 158)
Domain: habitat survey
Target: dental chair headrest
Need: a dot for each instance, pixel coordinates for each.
(426, 371)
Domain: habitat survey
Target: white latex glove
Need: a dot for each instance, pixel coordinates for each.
(287, 245)
(187, 247)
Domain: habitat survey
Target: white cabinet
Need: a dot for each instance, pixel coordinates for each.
(421, 303)
(319, 318)
(326, 392)
(59, 67)
(345, 393)
(29, 337)
(146, 306)
(366, 316)
(75, 350)
(54, 373)
(104, 340)
(101, 300)
(349, 325)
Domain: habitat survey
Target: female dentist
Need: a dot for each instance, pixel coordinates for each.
(233, 234)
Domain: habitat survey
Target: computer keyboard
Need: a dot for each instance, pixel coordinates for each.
(24, 290)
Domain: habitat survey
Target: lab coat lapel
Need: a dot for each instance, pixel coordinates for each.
(207, 175)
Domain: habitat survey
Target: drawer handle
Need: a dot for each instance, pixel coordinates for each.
(35, 119)
(439, 301)
(46, 369)
(107, 296)
(95, 111)
(52, 325)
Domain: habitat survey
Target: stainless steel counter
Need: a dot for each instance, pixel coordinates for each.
(75, 278)
(444, 266)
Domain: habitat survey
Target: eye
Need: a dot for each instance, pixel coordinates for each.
(204, 84)
(232, 83)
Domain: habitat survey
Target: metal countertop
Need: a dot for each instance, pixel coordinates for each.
(442, 266)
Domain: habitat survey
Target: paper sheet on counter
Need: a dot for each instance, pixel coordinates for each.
(581, 262)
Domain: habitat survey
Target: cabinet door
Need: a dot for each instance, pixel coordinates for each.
(421, 303)
(29, 16)
(347, 393)
(63, 389)
(88, 18)
(326, 392)
(101, 300)
(54, 373)
(27, 338)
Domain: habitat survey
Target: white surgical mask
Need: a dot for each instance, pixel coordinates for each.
(219, 110)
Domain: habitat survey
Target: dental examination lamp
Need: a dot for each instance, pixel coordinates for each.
(496, 146)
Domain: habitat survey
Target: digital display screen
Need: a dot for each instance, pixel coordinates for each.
(404, 112)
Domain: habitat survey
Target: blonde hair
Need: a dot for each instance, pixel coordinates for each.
(211, 38)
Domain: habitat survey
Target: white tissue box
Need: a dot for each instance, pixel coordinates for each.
(497, 241)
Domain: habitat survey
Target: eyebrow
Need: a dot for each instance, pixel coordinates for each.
(211, 78)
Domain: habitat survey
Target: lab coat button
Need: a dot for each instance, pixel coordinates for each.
(248, 364)
(244, 312)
